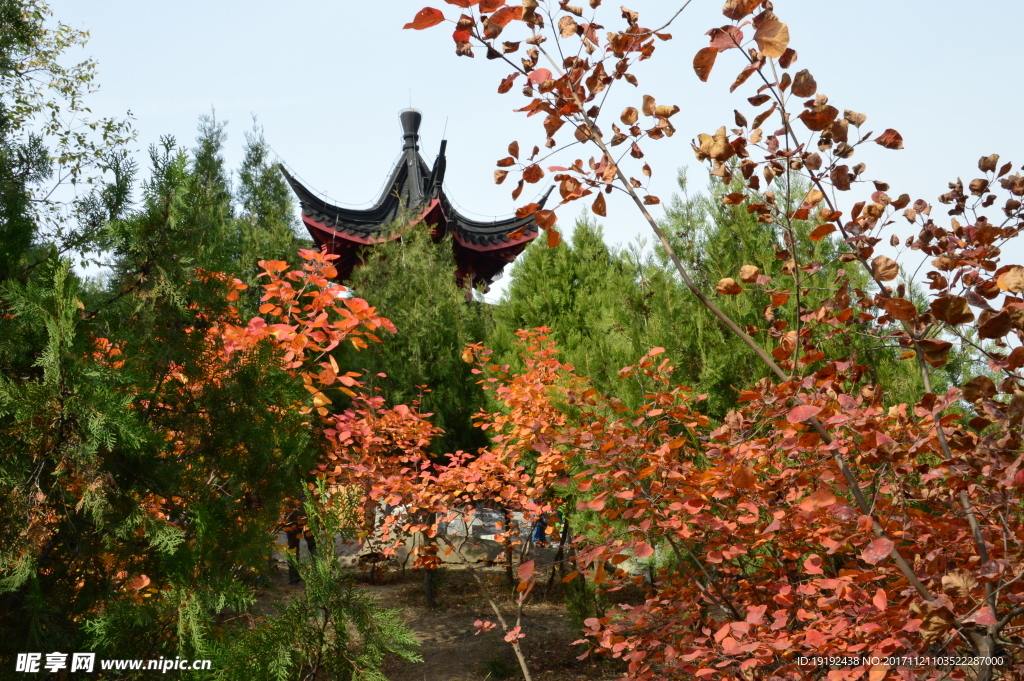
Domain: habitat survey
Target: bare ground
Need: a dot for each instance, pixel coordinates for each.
(453, 651)
(451, 648)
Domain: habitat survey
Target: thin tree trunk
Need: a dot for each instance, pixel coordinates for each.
(557, 562)
(509, 572)
(430, 576)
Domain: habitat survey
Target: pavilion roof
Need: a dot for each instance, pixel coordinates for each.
(482, 249)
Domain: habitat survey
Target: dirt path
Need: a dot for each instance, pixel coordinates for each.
(451, 649)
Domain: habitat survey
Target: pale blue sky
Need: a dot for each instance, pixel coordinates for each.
(327, 78)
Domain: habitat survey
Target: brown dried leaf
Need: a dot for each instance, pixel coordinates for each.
(935, 622)
(979, 387)
(772, 38)
(813, 197)
(900, 308)
(840, 177)
(425, 18)
(743, 477)
(726, 37)
(554, 238)
(600, 207)
(665, 112)
(506, 84)
(890, 139)
(936, 352)
(953, 310)
(737, 9)
(715, 147)
(527, 210)
(855, 119)
(545, 219)
(988, 164)
(821, 231)
(649, 105)
(994, 324)
(804, 84)
(629, 116)
(747, 71)
(749, 273)
(1012, 280)
(567, 26)
(728, 287)
(762, 117)
(819, 118)
(533, 174)
(884, 269)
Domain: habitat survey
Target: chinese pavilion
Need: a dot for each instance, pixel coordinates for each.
(482, 249)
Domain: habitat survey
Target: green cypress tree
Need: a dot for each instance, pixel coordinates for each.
(411, 281)
(23, 159)
(717, 240)
(140, 473)
(265, 211)
(609, 306)
(591, 296)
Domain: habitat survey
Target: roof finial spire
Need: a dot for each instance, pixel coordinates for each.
(411, 128)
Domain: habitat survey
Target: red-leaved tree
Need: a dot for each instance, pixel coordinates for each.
(819, 520)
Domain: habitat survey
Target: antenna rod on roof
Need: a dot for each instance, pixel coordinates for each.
(445, 131)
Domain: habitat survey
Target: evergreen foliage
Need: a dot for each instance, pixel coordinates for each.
(142, 469)
(143, 472)
(265, 209)
(608, 306)
(331, 629)
(590, 295)
(412, 279)
(23, 159)
(175, 462)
